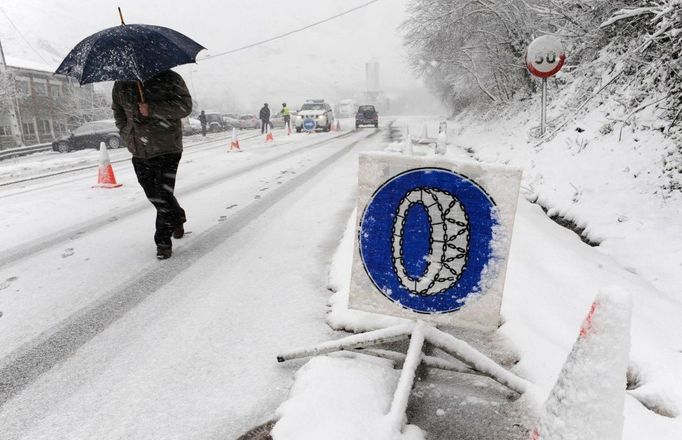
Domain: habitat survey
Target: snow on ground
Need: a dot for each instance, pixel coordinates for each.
(553, 276)
(196, 356)
(338, 398)
(612, 189)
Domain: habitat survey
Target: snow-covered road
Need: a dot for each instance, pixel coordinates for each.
(98, 339)
(103, 341)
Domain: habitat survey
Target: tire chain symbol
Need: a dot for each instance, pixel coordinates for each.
(449, 240)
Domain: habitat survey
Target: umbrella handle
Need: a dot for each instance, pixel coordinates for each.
(120, 14)
(139, 89)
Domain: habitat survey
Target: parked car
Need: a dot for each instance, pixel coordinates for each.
(249, 121)
(319, 111)
(190, 126)
(90, 135)
(230, 121)
(277, 121)
(366, 115)
(214, 122)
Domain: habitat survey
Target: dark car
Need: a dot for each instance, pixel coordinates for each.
(366, 115)
(214, 122)
(89, 135)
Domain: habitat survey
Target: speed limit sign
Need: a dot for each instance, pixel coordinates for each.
(545, 56)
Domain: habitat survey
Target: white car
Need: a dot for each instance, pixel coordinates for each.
(190, 126)
(249, 121)
(320, 112)
(230, 121)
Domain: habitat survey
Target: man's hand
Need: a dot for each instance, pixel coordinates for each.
(144, 109)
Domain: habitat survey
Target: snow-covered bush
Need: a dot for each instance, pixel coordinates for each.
(623, 55)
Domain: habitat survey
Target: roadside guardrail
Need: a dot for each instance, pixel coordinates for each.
(23, 151)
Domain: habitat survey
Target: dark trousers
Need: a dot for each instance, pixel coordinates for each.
(287, 121)
(157, 178)
(264, 124)
(203, 129)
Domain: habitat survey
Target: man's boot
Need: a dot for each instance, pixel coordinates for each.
(163, 252)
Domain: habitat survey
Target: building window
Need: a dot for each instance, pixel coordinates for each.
(5, 130)
(23, 88)
(28, 128)
(44, 126)
(55, 91)
(40, 88)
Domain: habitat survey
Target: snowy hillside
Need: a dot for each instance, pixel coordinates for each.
(609, 169)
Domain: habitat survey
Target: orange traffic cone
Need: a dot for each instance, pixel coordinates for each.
(268, 137)
(234, 144)
(589, 395)
(105, 176)
(288, 130)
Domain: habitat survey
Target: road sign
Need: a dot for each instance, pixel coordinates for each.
(309, 124)
(432, 238)
(545, 56)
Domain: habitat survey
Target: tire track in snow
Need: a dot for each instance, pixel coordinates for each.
(39, 244)
(21, 367)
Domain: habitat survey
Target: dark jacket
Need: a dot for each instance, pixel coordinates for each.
(265, 114)
(160, 133)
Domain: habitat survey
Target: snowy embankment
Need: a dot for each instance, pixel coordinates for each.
(609, 183)
(611, 189)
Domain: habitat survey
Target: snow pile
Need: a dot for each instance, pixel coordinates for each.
(608, 182)
(339, 398)
(588, 398)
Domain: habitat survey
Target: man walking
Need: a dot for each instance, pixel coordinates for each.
(151, 128)
(203, 121)
(264, 118)
(287, 116)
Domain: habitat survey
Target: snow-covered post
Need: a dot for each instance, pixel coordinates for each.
(389, 334)
(588, 398)
(442, 143)
(396, 415)
(476, 360)
(407, 147)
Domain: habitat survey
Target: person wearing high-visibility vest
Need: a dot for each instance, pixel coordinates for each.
(287, 116)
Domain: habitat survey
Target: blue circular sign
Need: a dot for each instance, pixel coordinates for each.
(309, 124)
(426, 237)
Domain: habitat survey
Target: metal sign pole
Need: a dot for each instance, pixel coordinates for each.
(544, 58)
(543, 115)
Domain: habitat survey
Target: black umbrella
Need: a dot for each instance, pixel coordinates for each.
(133, 52)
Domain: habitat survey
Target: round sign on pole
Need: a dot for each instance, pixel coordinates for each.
(545, 56)
(432, 239)
(309, 124)
(425, 239)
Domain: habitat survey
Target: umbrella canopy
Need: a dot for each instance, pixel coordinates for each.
(128, 53)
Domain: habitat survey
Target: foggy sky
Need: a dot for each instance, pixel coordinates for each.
(327, 61)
